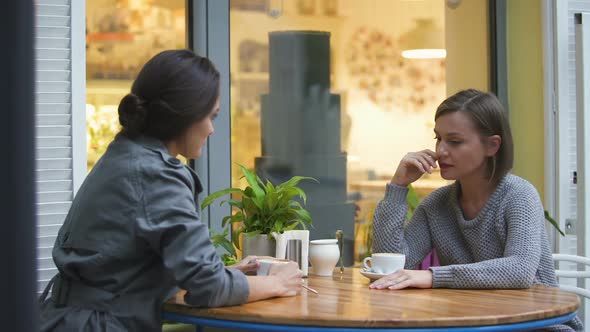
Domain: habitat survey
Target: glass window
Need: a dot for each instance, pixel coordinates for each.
(321, 88)
(121, 35)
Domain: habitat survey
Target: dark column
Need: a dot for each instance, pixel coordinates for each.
(19, 311)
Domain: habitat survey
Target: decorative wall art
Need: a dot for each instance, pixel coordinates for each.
(391, 82)
(253, 57)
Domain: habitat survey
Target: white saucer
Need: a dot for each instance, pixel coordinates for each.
(372, 275)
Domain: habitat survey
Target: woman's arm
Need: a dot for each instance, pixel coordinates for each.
(283, 280)
(169, 223)
(390, 235)
(524, 218)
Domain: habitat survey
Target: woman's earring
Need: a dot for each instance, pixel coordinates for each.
(493, 172)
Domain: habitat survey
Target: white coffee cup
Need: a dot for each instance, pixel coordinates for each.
(385, 263)
(266, 263)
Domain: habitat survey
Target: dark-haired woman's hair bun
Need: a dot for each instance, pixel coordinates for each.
(132, 115)
(172, 91)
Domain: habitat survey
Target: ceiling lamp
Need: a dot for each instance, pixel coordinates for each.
(425, 41)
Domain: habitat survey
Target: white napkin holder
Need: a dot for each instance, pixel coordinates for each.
(283, 239)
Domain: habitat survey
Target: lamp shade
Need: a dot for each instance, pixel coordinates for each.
(425, 41)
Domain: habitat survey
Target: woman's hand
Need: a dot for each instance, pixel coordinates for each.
(413, 165)
(288, 278)
(248, 264)
(403, 279)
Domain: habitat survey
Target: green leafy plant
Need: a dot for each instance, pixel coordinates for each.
(413, 200)
(263, 208)
(220, 240)
(553, 222)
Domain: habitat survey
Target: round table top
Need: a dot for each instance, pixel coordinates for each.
(346, 301)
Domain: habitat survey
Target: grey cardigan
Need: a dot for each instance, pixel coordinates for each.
(132, 235)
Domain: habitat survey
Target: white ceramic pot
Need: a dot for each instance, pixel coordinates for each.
(324, 255)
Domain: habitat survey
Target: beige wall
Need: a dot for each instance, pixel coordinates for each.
(468, 54)
(525, 88)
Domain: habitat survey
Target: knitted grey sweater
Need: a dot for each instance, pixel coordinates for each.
(505, 246)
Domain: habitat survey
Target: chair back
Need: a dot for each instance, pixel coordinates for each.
(572, 274)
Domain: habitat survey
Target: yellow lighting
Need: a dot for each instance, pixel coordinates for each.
(425, 41)
(425, 54)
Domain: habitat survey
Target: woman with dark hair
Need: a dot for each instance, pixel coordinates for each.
(488, 228)
(133, 233)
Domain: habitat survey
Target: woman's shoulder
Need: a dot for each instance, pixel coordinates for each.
(513, 186)
(517, 195)
(440, 196)
(149, 161)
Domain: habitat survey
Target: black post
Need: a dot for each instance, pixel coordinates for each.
(498, 60)
(19, 310)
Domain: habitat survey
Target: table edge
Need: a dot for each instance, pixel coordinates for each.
(534, 324)
(409, 323)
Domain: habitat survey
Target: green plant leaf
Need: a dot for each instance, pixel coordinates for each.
(252, 233)
(304, 216)
(237, 217)
(236, 236)
(220, 240)
(253, 181)
(553, 222)
(287, 193)
(412, 198)
(295, 204)
(413, 201)
(278, 225)
(269, 187)
(293, 226)
(211, 198)
(229, 260)
(271, 201)
(250, 207)
(295, 180)
(257, 200)
(234, 203)
(225, 220)
(249, 192)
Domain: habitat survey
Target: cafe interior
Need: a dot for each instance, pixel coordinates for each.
(384, 65)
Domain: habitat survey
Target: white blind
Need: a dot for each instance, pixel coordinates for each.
(570, 136)
(53, 112)
(567, 133)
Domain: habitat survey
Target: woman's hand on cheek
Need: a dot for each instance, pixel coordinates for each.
(413, 165)
(403, 279)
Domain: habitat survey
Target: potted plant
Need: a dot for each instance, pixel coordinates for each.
(262, 208)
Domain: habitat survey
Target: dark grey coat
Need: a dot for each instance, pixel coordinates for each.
(132, 235)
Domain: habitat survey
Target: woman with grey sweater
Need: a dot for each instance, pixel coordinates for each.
(488, 227)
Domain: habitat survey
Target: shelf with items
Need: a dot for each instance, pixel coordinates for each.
(102, 119)
(254, 76)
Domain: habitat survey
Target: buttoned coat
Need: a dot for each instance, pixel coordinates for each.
(132, 236)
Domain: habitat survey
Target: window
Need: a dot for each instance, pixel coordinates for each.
(120, 37)
(321, 89)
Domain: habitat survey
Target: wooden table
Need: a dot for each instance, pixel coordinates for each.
(345, 303)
